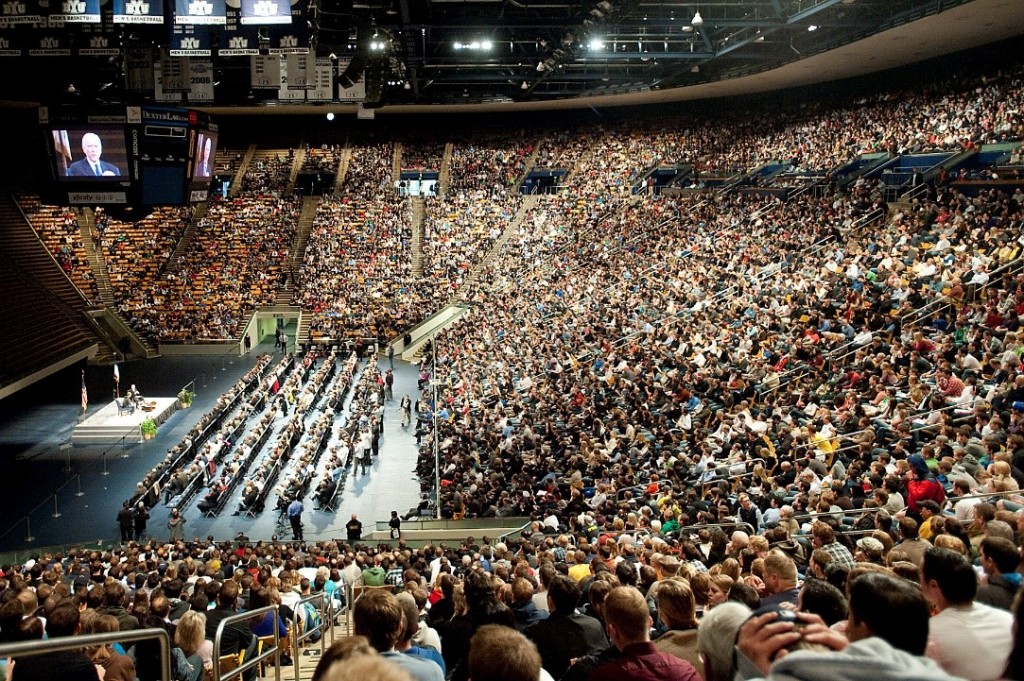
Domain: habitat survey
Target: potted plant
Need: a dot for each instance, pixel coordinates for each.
(185, 398)
(148, 429)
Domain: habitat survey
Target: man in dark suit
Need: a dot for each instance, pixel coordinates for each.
(92, 165)
(565, 635)
(236, 637)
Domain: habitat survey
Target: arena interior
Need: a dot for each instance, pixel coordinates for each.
(564, 340)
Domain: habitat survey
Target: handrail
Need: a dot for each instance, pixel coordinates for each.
(852, 511)
(247, 664)
(704, 526)
(77, 642)
(326, 614)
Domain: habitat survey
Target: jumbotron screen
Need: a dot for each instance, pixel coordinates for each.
(90, 153)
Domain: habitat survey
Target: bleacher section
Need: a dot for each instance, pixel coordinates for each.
(57, 227)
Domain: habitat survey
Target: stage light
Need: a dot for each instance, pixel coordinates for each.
(596, 44)
(330, 115)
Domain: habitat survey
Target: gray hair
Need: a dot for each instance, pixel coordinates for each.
(716, 639)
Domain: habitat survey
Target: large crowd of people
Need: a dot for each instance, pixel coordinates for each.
(755, 438)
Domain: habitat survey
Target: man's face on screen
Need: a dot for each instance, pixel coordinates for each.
(92, 147)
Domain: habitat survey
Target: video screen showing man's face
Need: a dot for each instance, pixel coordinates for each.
(96, 153)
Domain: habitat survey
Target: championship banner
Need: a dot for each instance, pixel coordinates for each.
(190, 41)
(19, 12)
(160, 91)
(237, 40)
(138, 69)
(266, 72)
(202, 12)
(287, 93)
(77, 11)
(356, 93)
(10, 45)
(323, 82)
(200, 80)
(138, 11)
(297, 68)
(173, 73)
(292, 39)
(263, 12)
(97, 46)
(50, 44)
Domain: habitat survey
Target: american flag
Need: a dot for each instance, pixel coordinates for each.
(85, 394)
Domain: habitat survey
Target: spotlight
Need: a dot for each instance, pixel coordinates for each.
(812, 27)
(330, 115)
(698, 20)
(596, 44)
(524, 86)
(486, 45)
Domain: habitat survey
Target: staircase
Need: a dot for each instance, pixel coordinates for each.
(302, 332)
(396, 164)
(86, 225)
(528, 165)
(474, 274)
(298, 249)
(419, 212)
(174, 262)
(293, 177)
(243, 168)
(339, 178)
(444, 177)
(22, 245)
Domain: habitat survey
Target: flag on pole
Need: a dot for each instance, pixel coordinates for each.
(85, 394)
(117, 374)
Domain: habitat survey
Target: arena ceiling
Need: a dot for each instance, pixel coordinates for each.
(499, 54)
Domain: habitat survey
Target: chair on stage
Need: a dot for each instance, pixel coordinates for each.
(124, 406)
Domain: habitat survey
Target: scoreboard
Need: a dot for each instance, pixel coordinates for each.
(128, 156)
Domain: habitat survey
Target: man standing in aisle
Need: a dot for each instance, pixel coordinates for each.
(294, 513)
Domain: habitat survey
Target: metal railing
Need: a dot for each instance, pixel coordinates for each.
(298, 614)
(248, 664)
(25, 649)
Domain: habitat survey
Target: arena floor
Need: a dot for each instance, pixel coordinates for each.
(37, 422)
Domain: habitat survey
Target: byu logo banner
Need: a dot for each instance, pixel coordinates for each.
(98, 46)
(14, 12)
(77, 11)
(266, 12)
(205, 12)
(8, 46)
(191, 41)
(138, 11)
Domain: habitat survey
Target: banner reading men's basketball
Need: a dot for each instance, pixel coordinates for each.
(206, 12)
(138, 11)
(77, 11)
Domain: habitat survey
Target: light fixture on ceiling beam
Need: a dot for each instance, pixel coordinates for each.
(697, 20)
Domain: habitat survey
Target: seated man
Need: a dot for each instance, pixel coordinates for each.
(325, 490)
(212, 498)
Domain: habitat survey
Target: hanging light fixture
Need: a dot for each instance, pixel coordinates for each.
(698, 20)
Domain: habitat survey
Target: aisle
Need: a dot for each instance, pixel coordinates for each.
(391, 484)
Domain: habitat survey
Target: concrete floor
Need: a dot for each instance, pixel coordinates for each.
(35, 423)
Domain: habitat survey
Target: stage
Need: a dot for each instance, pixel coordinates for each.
(106, 425)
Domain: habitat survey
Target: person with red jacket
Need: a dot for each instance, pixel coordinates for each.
(921, 485)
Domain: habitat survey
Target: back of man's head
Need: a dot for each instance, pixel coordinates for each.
(411, 615)
(498, 652)
(228, 594)
(113, 594)
(564, 594)
(950, 573)
(908, 528)
(716, 640)
(626, 613)
(779, 564)
(378, 616)
(892, 609)
(63, 620)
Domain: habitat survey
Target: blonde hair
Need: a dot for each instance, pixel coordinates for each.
(190, 632)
